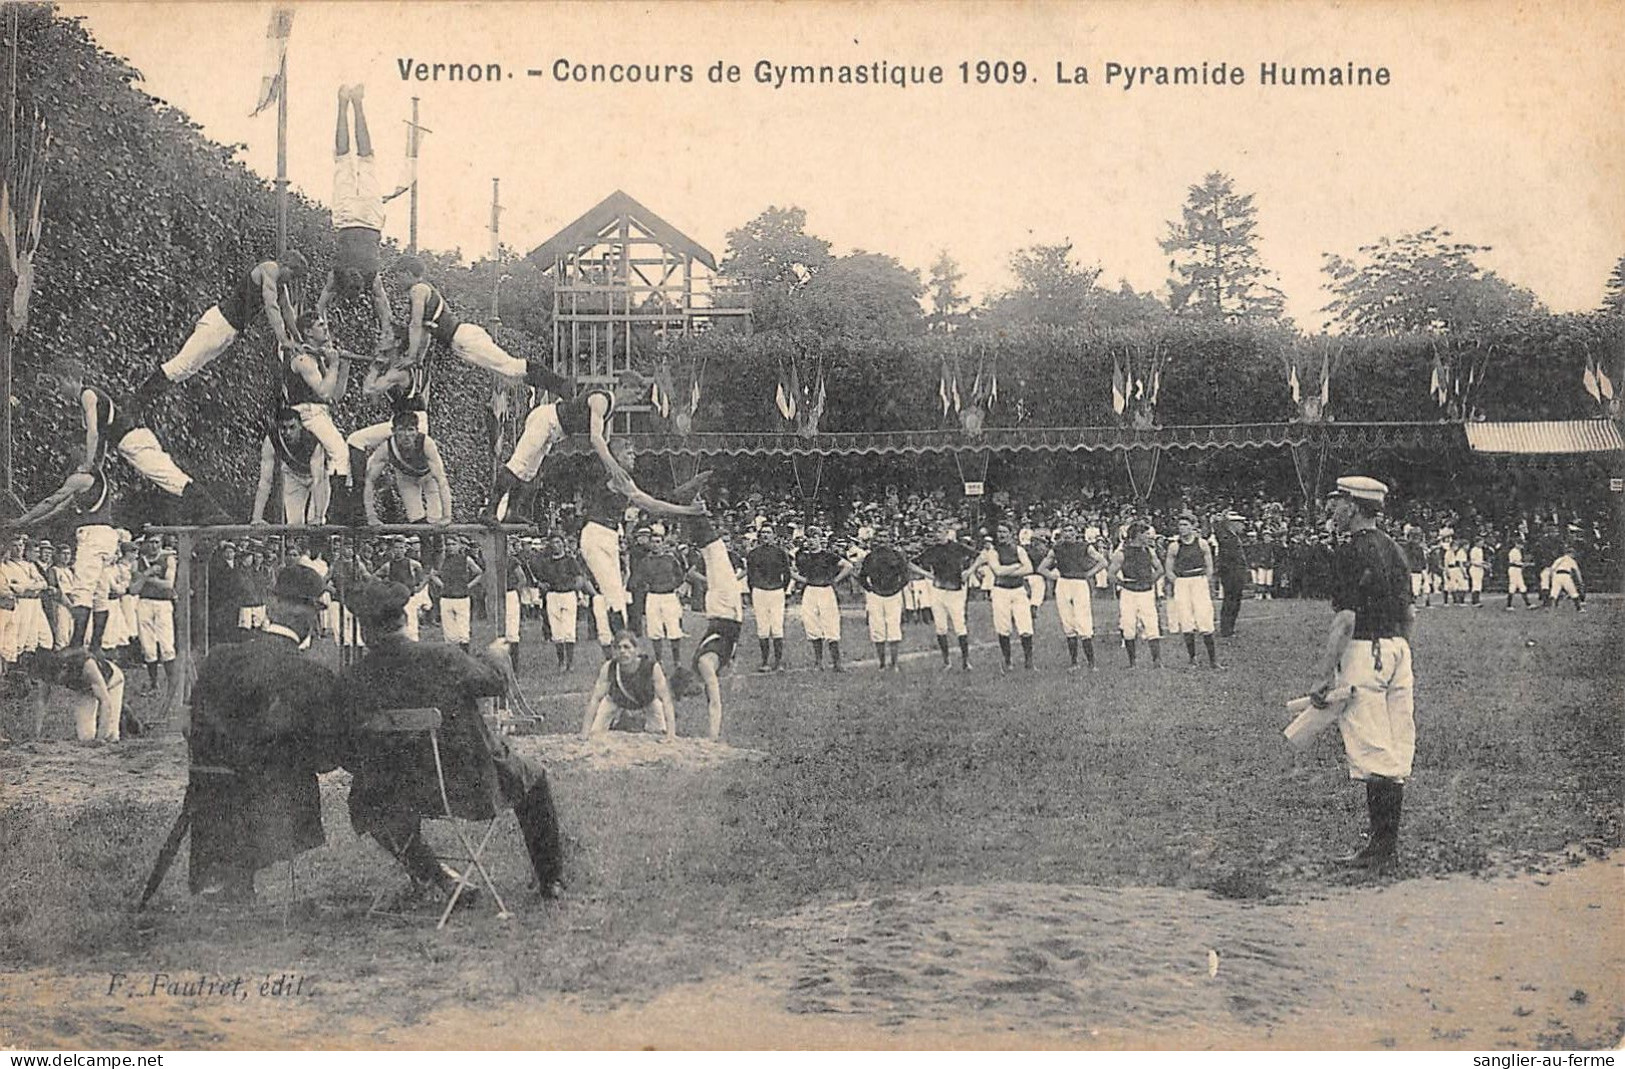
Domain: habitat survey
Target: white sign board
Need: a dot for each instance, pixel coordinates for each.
(974, 489)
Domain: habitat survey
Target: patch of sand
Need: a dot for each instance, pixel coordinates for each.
(1459, 963)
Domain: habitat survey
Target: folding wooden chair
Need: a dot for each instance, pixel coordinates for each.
(426, 721)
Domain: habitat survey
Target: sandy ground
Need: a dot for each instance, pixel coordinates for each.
(1459, 963)
(1516, 961)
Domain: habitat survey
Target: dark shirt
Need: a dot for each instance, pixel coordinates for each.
(947, 561)
(633, 689)
(768, 567)
(295, 390)
(1073, 559)
(1139, 568)
(244, 303)
(1009, 553)
(662, 572)
(561, 574)
(1371, 577)
(884, 571)
(455, 572)
(1189, 560)
(575, 415)
(1232, 555)
(819, 567)
(603, 504)
(438, 318)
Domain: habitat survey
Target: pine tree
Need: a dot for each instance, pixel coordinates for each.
(1216, 273)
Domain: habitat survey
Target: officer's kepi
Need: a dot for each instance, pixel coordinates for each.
(1360, 488)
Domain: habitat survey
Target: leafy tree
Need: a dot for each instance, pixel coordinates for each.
(1613, 301)
(950, 308)
(864, 295)
(1420, 282)
(1051, 290)
(778, 257)
(1216, 269)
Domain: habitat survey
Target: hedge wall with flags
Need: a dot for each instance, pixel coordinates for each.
(146, 224)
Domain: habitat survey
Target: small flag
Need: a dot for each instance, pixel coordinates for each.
(1119, 402)
(1292, 384)
(793, 392)
(993, 388)
(1605, 385)
(1139, 389)
(276, 56)
(1592, 385)
(1156, 383)
(694, 396)
(942, 389)
(958, 404)
(782, 398)
(1325, 378)
(1436, 384)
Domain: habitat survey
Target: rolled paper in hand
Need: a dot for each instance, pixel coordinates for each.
(1310, 721)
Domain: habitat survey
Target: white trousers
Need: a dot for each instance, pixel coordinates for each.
(601, 553)
(1012, 611)
(155, 624)
(95, 719)
(1073, 600)
(1035, 589)
(885, 614)
(318, 420)
(141, 450)
(211, 337)
(1515, 583)
(510, 616)
(1137, 614)
(767, 606)
(473, 345)
(420, 497)
(562, 607)
(535, 441)
(948, 610)
(821, 613)
(454, 619)
(95, 553)
(1191, 609)
(663, 616)
(1379, 723)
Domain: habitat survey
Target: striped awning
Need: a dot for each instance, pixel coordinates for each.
(1548, 437)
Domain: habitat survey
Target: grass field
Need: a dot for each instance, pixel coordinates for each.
(855, 787)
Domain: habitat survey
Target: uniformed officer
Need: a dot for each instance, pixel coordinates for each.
(1368, 650)
(264, 724)
(396, 785)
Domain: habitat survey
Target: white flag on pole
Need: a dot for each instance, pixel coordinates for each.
(276, 53)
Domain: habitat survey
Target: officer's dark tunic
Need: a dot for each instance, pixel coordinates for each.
(395, 785)
(264, 722)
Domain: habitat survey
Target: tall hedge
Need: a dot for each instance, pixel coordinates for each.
(146, 224)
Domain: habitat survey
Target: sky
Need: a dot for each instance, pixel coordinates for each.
(1501, 122)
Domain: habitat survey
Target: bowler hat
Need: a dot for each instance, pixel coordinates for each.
(298, 583)
(379, 600)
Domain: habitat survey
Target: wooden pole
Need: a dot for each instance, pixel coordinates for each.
(282, 160)
(412, 211)
(496, 253)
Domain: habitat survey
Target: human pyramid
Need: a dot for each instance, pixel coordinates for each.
(323, 472)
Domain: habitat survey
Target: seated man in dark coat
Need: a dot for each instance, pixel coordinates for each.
(395, 786)
(265, 722)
